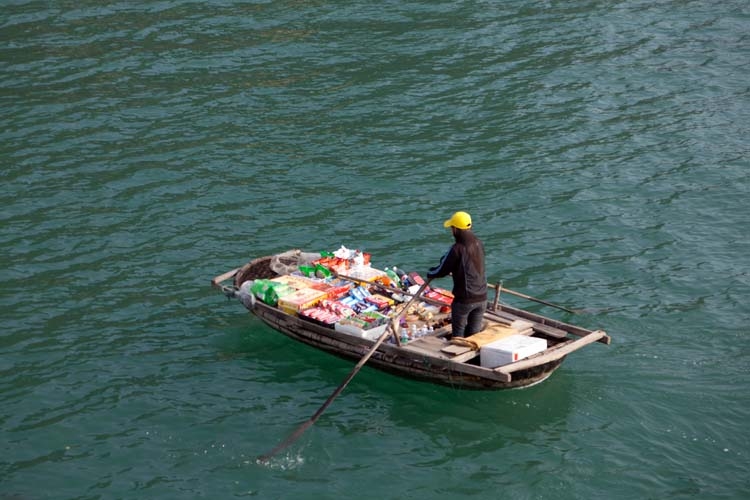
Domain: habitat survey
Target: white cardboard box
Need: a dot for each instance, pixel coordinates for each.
(510, 349)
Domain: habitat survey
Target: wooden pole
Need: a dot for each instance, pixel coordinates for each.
(498, 287)
(302, 428)
(534, 299)
(216, 282)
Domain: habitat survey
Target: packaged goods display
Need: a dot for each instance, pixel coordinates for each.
(343, 291)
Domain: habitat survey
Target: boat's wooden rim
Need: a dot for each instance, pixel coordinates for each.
(355, 346)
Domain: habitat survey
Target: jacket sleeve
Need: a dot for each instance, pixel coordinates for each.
(446, 266)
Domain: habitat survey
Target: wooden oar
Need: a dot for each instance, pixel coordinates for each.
(500, 288)
(302, 428)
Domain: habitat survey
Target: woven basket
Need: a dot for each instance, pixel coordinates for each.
(272, 266)
(259, 268)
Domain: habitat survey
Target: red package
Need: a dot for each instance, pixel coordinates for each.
(415, 278)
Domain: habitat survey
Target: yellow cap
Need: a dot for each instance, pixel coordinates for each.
(459, 220)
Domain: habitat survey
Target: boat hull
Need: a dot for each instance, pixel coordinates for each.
(424, 359)
(397, 361)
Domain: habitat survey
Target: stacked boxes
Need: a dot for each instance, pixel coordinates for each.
(351, 306)
(304, 298)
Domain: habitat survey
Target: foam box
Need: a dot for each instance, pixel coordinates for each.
(369, 333)
(510, 349)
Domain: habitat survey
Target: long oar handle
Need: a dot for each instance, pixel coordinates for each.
(533, 299)
(302, 428)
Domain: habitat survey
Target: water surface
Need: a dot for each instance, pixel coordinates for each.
(601, 148)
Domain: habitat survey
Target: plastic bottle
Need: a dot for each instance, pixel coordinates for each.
(395, 281)
(403, 277)
(404, 336)
(358, 261)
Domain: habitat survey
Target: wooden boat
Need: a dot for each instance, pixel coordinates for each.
(434, 357)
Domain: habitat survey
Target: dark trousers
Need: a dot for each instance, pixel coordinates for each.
(466, 319)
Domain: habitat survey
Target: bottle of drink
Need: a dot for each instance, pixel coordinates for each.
(404, 335)
(358, 261)
(405, 281)
(395, 281)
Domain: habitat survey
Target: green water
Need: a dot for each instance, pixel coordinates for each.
(601, 147)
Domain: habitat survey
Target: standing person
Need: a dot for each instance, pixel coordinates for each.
(465, 262)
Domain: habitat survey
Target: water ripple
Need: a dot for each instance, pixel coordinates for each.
(601, 148)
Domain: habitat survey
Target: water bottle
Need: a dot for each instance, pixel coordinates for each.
(395, 281)
(407, 282)
(404, 335)
(358, 261)
(400, 272)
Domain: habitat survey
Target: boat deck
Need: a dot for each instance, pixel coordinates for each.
(437, 346)
(433, 345)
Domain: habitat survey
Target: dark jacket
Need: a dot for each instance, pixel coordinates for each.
(469, 280)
